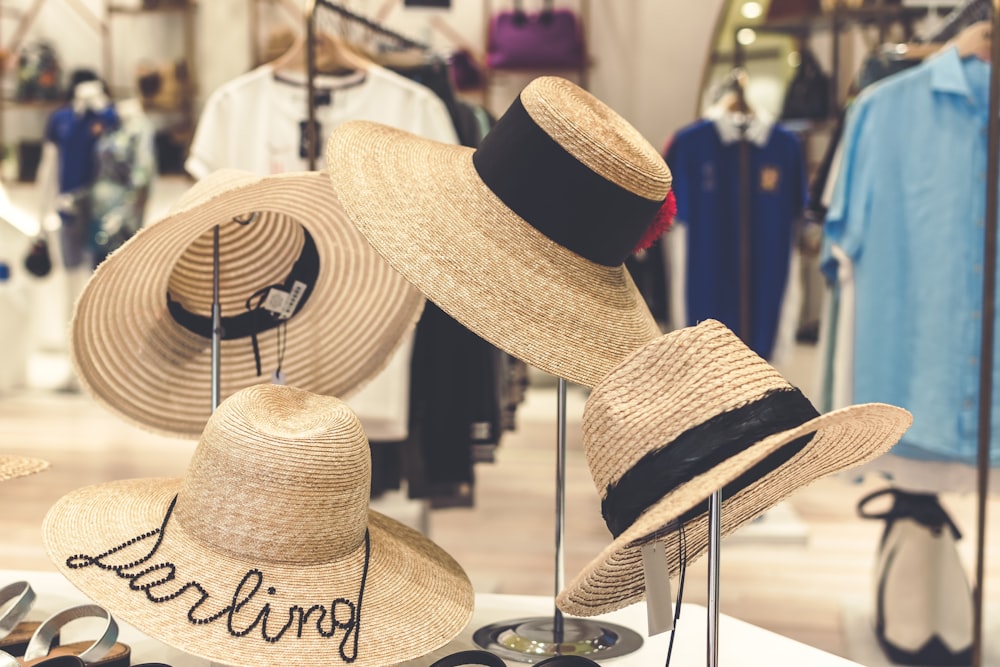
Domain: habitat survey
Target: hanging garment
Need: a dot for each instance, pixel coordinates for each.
(75, 134)
(256, 121)
(126, 164)
(908, 211)
(704, 159)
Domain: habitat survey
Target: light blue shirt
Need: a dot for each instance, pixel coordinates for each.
(908, 208)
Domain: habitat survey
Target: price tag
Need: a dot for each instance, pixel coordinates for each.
(278, 377)
(659, 599)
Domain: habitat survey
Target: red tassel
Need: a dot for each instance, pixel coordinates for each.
(661, 223)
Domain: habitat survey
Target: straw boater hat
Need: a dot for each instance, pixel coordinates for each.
(19, 466)
(141, 335)
(523, 239)
(693, 412)
(265, 553)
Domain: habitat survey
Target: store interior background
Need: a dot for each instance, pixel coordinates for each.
(806, 575)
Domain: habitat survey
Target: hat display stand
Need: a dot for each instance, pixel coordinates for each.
(987, 338)
(217, 331)
(537, 638)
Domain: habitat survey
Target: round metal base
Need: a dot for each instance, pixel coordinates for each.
(531, 639)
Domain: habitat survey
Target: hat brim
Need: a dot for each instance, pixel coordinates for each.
(134, 357)
(20, 466)
(416, 597)
(841, 439)
(422, 205)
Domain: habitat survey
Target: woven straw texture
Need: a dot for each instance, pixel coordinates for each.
(133, 357)
(279, 483)
(671, 385)
(19, 466)
(422, 205)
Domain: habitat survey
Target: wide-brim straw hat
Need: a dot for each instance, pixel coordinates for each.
(693, 412)
(132, 352)
(18, 466)
(523, 239)
(270, 527)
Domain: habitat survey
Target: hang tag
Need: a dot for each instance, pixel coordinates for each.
(283, 303)
(659, 599)
(275, 300)
(278, 377)
(309, 139)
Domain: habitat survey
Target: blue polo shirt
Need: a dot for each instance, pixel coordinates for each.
(908, 209)
(76, 137)
(706, 170)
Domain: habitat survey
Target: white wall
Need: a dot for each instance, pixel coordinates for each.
(648, 54)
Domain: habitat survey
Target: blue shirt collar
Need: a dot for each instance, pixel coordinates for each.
(948, 74)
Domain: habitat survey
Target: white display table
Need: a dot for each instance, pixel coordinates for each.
(741, 644)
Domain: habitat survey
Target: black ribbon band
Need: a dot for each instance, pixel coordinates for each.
(557, 194)
(254, 321)
(703, 447)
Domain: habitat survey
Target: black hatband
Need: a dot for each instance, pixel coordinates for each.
(703, 447)
(557, 194)
(255, 320)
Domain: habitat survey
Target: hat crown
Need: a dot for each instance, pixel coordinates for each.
(675, 383)
(597, 136)
(293, 465)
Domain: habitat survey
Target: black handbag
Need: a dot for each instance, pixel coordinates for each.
(38, 262)
(808, 95)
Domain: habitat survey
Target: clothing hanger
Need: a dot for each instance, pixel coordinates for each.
(974, 41)
(333, 56)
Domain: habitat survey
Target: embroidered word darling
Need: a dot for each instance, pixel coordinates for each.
(248, 609)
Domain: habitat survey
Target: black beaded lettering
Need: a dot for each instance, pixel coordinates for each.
(158, 582)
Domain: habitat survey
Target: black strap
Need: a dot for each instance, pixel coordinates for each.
(924, 508)
(470, 658)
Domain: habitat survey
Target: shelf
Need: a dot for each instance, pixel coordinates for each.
(834, 20)
(166, 9)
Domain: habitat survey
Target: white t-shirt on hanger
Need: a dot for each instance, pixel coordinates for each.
(255, 122)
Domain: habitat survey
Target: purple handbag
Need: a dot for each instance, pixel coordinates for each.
(550, 38)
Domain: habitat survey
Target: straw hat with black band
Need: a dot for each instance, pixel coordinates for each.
(300, 291)
(690, 413)
(523, 239)
(18, 466)
(266, 552)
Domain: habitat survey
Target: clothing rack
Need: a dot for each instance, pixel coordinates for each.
(314, 20)
(988, 333)
(401, 41)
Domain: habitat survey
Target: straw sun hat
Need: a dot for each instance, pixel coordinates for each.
(19, 466)
(141, 335)
(523, 239)
(266, 552)
(692, 412)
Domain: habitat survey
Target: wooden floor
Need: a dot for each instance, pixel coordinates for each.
(807, 577)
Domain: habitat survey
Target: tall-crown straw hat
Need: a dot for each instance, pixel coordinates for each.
(300, 289)
(523, 239)
(12, 466)
(266, 552)
(693, 412)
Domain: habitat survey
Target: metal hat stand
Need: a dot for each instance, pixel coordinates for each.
(537, 638)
